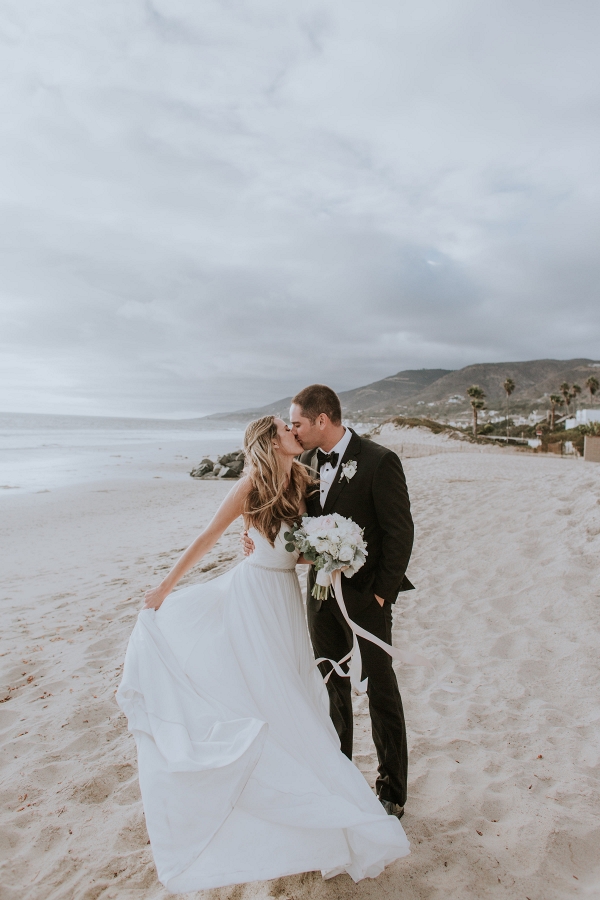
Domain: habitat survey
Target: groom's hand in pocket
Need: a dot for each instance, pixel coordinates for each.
(247, 543)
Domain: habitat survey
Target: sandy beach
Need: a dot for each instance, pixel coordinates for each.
(504, 785)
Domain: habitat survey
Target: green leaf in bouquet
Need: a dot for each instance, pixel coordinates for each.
(311, 554)
(290, 547)
(288, 535)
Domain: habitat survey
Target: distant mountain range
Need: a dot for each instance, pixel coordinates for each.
(441, 393)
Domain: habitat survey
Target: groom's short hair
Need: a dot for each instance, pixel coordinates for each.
(316, 399)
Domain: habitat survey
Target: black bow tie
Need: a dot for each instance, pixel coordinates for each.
(331, 458)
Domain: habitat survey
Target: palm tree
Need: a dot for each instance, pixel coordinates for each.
(575, 392)
(565, 390)
(592, 384)
(555, 400)
(477, 396)
(509, 387)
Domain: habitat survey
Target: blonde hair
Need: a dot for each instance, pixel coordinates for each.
(273, 498)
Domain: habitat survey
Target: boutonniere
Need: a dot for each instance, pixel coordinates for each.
(348, 470)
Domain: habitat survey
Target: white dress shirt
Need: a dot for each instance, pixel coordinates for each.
(328, 473)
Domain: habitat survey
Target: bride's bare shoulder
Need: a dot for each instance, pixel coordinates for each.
(241, 489)
(244, 485)
(239, 492)
(232, 505)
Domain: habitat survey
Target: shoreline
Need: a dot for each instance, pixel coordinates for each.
(41, 460)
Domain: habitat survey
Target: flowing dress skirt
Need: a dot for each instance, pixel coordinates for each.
(241, 774)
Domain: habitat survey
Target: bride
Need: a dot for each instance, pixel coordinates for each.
(240, 768)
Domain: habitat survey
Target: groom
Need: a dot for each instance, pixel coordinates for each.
(363, 481)
(373, 494)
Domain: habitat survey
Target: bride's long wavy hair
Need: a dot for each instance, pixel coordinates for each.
(273, 497)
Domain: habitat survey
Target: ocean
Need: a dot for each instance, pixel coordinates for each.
(45, 452)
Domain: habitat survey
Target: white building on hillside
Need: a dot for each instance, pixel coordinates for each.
(583, 417)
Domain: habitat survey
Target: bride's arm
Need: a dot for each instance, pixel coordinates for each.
(229, 510)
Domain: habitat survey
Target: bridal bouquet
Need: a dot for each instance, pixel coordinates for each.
(330, 542)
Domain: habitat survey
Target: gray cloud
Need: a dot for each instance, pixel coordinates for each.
(208, 205)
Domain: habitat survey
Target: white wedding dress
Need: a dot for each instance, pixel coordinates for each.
(241, 774)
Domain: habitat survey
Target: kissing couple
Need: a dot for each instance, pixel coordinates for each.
(244, 754)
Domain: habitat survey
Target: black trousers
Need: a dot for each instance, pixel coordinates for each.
(331, 637)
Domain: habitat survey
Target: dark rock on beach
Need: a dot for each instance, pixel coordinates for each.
(228, 472)
(230, 465)
(205, 467)
(233, 461)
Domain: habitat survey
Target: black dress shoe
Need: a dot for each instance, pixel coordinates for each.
(391, 808)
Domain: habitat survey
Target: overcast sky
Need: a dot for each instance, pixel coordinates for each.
(207, 205)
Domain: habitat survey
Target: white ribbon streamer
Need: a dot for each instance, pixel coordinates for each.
(355, 668)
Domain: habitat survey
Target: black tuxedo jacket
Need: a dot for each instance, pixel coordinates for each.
(375, 498)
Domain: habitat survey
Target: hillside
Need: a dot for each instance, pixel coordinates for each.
(535, 380)
(386, 393)
(443, 391)
(404, 387)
